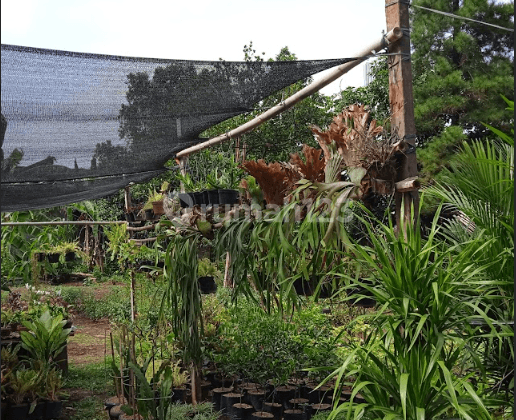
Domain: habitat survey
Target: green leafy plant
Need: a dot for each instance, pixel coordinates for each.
(480, 185)
(150, 407)
(183, 298)
(152, 197)
(409, 366)
(24, 384)
(189, 184)
(53, 384)
(179, 375)
(45, 339)
(206, 268)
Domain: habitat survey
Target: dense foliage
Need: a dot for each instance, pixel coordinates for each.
(460, 70)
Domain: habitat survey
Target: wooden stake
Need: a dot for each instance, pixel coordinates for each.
(402, 105)
(393, 35)
(133, 287)
(227, 280)
(182, 167)
(127, 196)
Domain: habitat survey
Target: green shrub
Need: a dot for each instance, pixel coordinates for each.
(116, 306)
(262, 346)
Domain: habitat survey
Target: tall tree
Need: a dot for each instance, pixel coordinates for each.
(277, 138)
(375, 94)
(460, 70)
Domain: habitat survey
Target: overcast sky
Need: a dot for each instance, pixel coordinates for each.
(198, 29)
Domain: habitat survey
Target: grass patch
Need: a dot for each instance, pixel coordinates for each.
(92, 377)
(82, 339)
(86, 387)
(91, 408)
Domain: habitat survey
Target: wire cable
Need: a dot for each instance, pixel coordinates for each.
(462, 17)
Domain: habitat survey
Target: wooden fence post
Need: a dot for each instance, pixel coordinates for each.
(401, 102)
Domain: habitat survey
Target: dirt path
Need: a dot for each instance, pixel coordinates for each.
(90, 342)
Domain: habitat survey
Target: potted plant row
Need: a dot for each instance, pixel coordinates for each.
(219, 189)
(209, 197)
(31, 382)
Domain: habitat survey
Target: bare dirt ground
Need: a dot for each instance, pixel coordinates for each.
(90, 341)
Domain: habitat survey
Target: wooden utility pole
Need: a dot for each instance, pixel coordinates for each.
(401, 101)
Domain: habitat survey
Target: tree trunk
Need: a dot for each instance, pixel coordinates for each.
(196, 384)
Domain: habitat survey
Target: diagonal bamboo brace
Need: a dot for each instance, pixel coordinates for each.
(392, 36)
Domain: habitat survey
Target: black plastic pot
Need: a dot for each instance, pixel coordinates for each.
(186, 200)
(227, 401)
(39, 412)
(217, 396)
(293, 414)
(207, 285)
(240, 411)
(276, 409)
(210, 377)
(213, 197)
(303, 287)
(149, 214)
(205, 389)
(228, 196)
(316, 396)
(317, 408)
(198, 198)
(179, 394)
(70, 256)
(205, 197)
(53, 258)
(17, 412)
(284, 394)
(256, 398)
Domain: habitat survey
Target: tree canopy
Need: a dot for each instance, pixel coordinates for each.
(461, 69)
(275, 139)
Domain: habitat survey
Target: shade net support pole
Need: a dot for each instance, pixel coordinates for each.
(391, 37)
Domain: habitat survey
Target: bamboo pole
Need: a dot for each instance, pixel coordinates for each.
(392, 36)
(142, 241)
(140, 229)
(65, 222)
(409, 184)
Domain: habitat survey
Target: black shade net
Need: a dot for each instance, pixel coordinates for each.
(81, 126)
